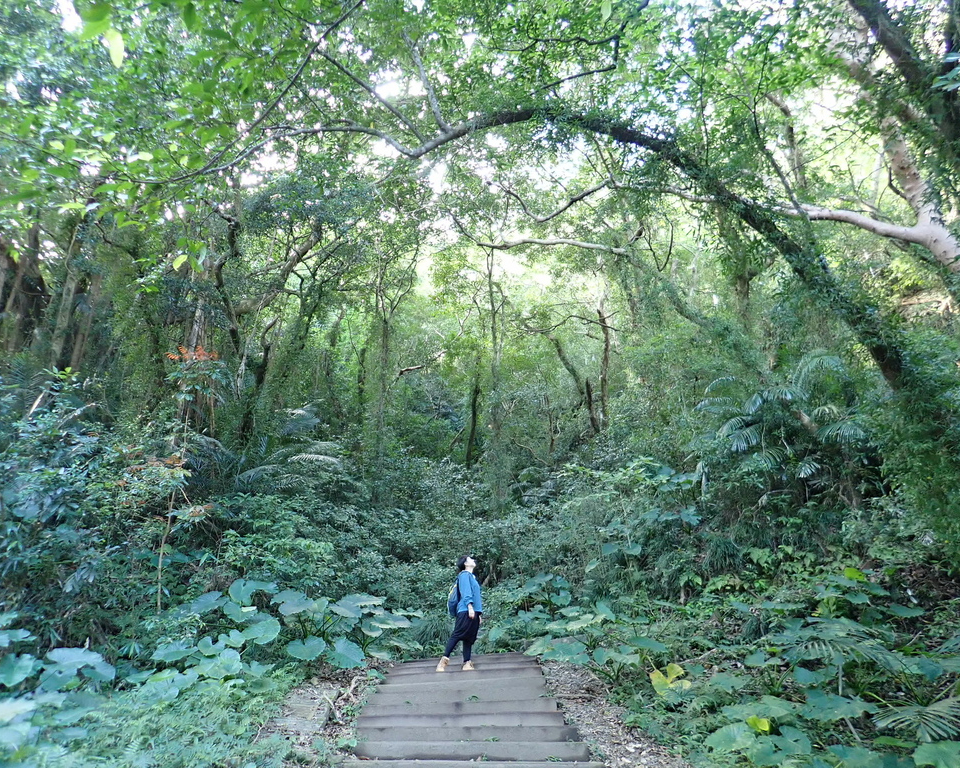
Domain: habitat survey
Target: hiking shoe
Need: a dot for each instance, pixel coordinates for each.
(442, 666)
(468, 667)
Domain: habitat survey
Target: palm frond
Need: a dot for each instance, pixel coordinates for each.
(768, 459)
(723, 381)
(754, 403)
(808, 467)
(827, 412)
(814, 363)
(744, 439)
(717, 405)
(734, 425)
(935, 722)
(846, 432)
(784, 394)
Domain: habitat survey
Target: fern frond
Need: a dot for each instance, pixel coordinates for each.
(827, 412)
(808, 467)
(754, 403)
(717, 405)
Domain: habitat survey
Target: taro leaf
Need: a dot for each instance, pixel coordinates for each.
(731, 738)
(609, 549)
(308, 649)
(756, 659)
(565, 649)
(11, 709)
(939, 754)
(220, 666)
(859, 757)
(13, 736)
(352, 606)
(647, 644)
(767, 706)
(807, 677)
(102, 672)
(234, 639)
(207, 647)
(345, 654)
(174, 651)
(727, 682)
(390, 621)
(369, 629)
(242, 590)
(263, 632)
(256, 669)
(9, 636)
(15, 669)
(204, 603)
(903, 611)
(829, 707)
(604, 610)
(857, 598)
(7, 618)
(241, 614)
(291, 601)
(73, 658)
(759, 724)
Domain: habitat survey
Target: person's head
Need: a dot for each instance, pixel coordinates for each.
(466, 562)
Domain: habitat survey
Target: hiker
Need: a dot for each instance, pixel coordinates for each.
(469, 611)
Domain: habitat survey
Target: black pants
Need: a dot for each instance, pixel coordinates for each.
(466, 630)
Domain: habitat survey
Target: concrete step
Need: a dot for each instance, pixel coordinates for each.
(468, 683)
(485, 658)
(482, 733)
(463, 694)
(454, 670)
(353, 763)
(525, 719)
(449, 708)
(560, 751)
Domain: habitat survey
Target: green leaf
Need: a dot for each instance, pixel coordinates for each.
(731, 738)
(829, 707)
(10, 709)
(114, 43)
(242, 590)
(263, 632)
(308, 649)
(292, 602)
(345, 654)
(174, 651)
(903, 611)
(939, 754)
(606, 9)
(15, 669)
(190, 17)
(96, 12)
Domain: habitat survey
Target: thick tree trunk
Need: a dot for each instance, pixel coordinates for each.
(82, 338)
(26, 297)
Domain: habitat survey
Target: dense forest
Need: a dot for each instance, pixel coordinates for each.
(648, 305)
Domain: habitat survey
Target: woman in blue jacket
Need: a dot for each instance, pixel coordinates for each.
(469, 610)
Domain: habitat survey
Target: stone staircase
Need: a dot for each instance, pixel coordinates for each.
(499, 714)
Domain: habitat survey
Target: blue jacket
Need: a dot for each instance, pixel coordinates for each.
(469, 592)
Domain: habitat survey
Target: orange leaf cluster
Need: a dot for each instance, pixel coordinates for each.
(192, 355)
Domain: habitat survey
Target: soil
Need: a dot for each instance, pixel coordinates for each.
(336, 698)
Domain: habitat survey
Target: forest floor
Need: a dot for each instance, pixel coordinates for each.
(318, 719)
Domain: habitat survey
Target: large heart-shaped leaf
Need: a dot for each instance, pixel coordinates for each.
(345, 654)
(307, 649)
